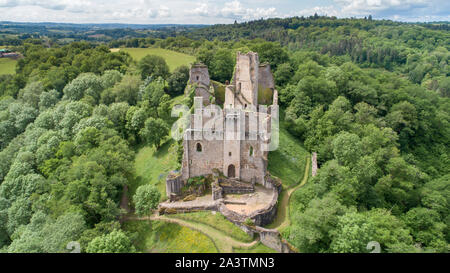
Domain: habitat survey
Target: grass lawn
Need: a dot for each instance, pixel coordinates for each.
(152, 167)
(289, 160)
(7, 66)
(294, 204)
(217, 221)
(163, 237)
(258, 248)
(173, 59)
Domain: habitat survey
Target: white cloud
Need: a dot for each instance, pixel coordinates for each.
(358, 7)
(151, 13)
(326, 10)
(163, 11)
(214, 11)
(202, 9)
(234, 10)
(389, 9)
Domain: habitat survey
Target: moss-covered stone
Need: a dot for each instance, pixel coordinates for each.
(265, 96)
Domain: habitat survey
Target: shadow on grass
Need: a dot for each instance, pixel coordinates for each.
(164, 149)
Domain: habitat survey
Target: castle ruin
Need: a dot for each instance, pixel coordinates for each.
(239, 150)
(230, 145)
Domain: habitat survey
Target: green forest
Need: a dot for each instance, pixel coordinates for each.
(371, 97)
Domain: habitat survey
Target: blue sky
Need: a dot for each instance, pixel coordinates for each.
(215, 11)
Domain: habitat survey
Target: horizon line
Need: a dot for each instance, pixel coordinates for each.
(231, 23)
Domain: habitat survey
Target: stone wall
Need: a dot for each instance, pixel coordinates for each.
(246, 78)
(266, 215)
(314, 167)
(272, 238)
(232, 216)
(252, 165)
(174, 184)
(202, 162)
(266, 85)
(268, 237)
(265, 77)
(260, 217)
(230, 186)
(199, 75)
(174, 208)
(216, 191)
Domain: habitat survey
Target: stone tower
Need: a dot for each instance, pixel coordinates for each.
(199, 76)
(243, 91)
(240, 153)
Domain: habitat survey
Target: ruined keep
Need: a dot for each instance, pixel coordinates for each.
(229, 146)
(243, 156)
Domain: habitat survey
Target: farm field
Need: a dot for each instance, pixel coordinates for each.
(7, 66)
(173, 59)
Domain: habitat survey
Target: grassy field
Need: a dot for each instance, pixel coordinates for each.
(152, 167)
(173, 59)
(163, 237)
(217, 221)
(289, 160)
(7, 66)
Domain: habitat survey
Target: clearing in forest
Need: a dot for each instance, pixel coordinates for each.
(173, 59)
(7, 66)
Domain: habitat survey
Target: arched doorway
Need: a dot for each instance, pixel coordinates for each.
(199, 147)
(231, 171)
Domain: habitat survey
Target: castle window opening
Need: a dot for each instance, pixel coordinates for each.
(250, 151)
(229, 154)
(199, 147)
(198, 78)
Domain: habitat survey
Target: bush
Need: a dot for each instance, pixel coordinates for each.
(249, 222)
(146, 199)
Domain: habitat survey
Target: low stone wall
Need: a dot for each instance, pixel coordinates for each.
(266, 215)
(230, 186)
(170, 208)
(270, 238)
(232, 216)
(174, 184)
(271, 182)
(216, 191)
(260, 217)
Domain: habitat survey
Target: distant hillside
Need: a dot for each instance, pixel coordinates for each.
(12, 33)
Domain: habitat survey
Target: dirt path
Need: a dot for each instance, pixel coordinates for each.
(223, 242)
(283, 219)
(124, 200)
